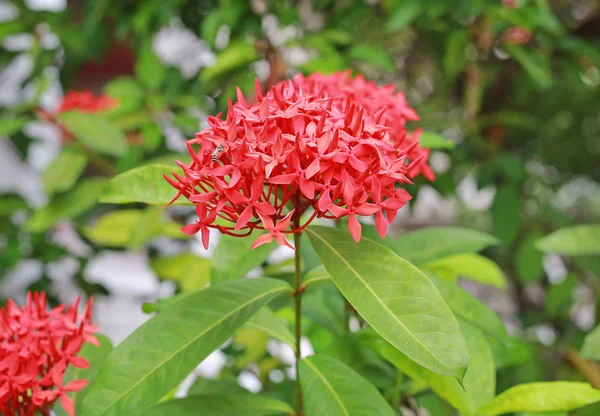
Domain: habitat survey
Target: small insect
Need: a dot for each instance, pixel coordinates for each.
(216, 154)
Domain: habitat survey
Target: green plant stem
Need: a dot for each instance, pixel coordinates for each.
(298, 326)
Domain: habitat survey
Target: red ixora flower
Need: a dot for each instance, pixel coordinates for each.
(328, 146)
(36, 347)
(86, 102)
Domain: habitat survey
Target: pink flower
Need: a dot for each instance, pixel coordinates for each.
(36, 347)
(517, 36)
(332, 146)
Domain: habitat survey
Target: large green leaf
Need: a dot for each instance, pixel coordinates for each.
(446, 387)
(149, 68)
(579, 240)
(11, 124)
(67, 205)
(591, 345)
(470, 309)
(188, 270)
(63, 172)
(144, 184)
(433, 243)
(331, 388)
(395, 298)
(233, 258)
(506, 213)
(480, 378)
(162, 352)
(96, 132)
(221, 405)
(542, 397)
(471, 266)
(265, 320)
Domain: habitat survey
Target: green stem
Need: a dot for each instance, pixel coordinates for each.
(298, 306)
(397, 398)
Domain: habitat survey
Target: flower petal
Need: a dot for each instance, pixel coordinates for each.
(263, 239)
(354, 227)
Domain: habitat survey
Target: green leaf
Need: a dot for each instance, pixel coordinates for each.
(446, 387)
(455, 57)
(579, 240)
(332, 388)
(144, 184)
(559, 297)
(67, 205)
(64, 171)
(430, 140)
(149, 69)
(96, 132)
(316, 276)
(221, 405)
(534, 63)
(528, 260)
(506, 214)
(473, 267)
(221, 385)
(404, 15)
(432, 243)
(372, 54)
(122, 228)
(162, 352)
(591, 345)
(470, 309)
(124, 87)
(267, 321)
(395, 298)
(480, 378)
(237, 55)
(10, 124)
(189, 271)
(542, 397)
(233, 258)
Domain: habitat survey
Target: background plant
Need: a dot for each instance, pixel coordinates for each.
(519, 105)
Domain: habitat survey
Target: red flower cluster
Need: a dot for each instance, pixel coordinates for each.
(36, 346)
(85, 101)
(333, 144)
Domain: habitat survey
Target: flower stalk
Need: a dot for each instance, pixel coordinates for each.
(298, 290)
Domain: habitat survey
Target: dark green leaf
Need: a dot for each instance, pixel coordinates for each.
(331, 388)
(237, 56)
(534, 63)
(10, 124)
(506, 214)
(221, 405)
(162, 352)
(372, 54)
(528, 259)
(395, 298)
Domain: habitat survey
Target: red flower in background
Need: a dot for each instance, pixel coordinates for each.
(333, 144)
(517, 36)
(86, 102)
(36, 347)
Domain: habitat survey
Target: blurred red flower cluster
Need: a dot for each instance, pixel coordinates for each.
(85, 101)
(36, 347)
(333, 144)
